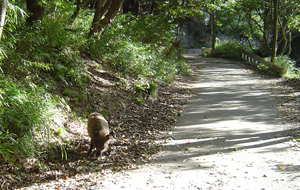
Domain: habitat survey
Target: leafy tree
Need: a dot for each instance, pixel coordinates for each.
(177, 12)
(288, 25)
(266, 24)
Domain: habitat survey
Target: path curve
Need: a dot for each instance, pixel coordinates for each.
(229, 137)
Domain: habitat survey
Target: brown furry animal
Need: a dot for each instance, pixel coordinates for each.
(99, 132)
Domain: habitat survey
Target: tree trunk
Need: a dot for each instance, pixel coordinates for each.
(283, 42)
(176, 43)
(80, 6)
(108, 9)
(76, 12)
(35, 10)
(213, 28)
(267, 13)
(275, 32)
(102, 6)
(284, 35)
(152, 7)
(87, 3)
(2, 16)
(289, 46)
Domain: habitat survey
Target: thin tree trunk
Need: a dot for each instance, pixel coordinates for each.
(283, 42)
(87, 3)
(275, 32)
(76, 12)
(80, 6)
(2, 16)
(266, 49)
(213, 28)
(289, 46)
(175, 44)
(152, 7)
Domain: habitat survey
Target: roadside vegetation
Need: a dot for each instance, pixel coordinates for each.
(59, 62)
(54, 74)
(44, 63)
(233, 51)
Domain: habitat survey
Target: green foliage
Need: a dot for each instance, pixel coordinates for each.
(148, 29)
(104, 113)
(288, 65)
(153, 91)
(48, 55)
(61, 131)
(249, 21)
(132, 49)
(176, 11)
(14, 16)
(140, 100)
(24, 110)
(35, 57)
(46, 48)
(229, 50)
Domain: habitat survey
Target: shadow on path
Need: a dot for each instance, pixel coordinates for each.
(234, 111)
(229, 137)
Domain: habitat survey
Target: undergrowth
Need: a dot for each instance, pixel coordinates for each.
(288, 65)
(40, 59)
(24, 117)
(230, 50)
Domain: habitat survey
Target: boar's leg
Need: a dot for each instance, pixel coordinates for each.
(98, 153)
(91, 148)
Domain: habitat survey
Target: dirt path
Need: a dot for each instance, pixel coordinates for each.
(228, 138)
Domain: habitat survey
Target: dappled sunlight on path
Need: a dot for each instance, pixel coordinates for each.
(229, 137)
(230, 102)
(231, 129)
(228, 93)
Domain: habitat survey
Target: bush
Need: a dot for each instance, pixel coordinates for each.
(288, 65)
(36, 58)
(46, 49)
(24, 110)
(229, 50)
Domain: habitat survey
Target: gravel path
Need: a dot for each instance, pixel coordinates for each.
(229, 137)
